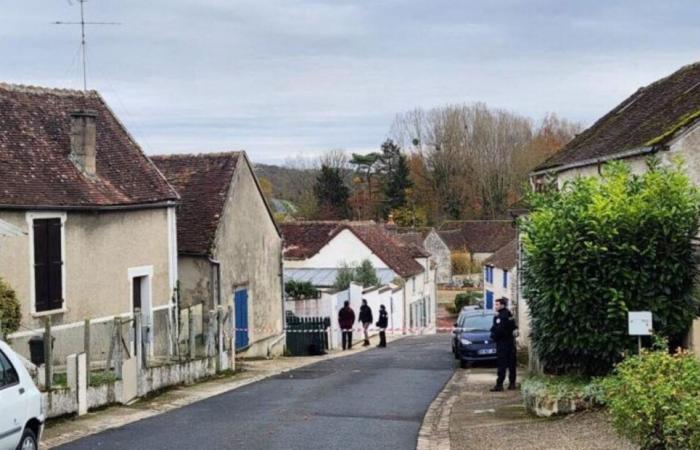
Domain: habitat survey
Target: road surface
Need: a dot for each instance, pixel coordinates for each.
(372, 400)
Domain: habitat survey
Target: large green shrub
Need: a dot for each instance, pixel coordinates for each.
(601, 247)
(467, 299)
(654, 400)
(364, 274)
(299, 290)
(10, 315)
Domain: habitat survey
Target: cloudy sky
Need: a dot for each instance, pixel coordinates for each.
(287, 78)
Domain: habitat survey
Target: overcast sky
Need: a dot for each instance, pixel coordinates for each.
(284, 78)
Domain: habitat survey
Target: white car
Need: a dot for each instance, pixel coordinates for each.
(21, 411)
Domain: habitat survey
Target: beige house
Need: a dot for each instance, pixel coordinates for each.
(230, 249)
(94, 219)
(661, 119)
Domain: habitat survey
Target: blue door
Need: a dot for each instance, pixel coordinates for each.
(489, 300)
(241, 305)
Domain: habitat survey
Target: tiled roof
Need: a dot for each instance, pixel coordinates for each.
(477, 236)
(203, 182)
(648, 118)
(505, 257)
(414, 241)
(302, 240)
(35, 147)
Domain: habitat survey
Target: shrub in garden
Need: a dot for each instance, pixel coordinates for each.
(601, 247)
(461, 263)
(466, 299)
(654, 400)
(365, 274)
(10, 315)
(300, 289)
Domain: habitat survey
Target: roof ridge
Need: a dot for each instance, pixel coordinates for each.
(31, 89)
(198, 155)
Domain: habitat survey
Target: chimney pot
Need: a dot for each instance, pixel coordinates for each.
(83, 150)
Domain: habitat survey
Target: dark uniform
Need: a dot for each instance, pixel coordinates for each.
(382, 324)
(502, 334)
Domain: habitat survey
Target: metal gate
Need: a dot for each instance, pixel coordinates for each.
(307, 335)
(241, 306)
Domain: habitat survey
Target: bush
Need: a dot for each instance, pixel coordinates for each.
(10, 315)
(467, 283)
(461, 263)
(300, 289)
(654, 400)
(467, 299)
(601, 247)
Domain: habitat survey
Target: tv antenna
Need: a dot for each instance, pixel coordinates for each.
(82, 24)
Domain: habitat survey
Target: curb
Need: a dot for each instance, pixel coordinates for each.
(434, 432)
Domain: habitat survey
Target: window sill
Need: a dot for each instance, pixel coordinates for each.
(52, 312)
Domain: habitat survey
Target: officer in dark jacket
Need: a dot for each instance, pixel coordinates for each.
(366, 320)
(382, 323)
(346, 320)
(502, 333)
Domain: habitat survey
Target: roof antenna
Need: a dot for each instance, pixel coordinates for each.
(82, 24)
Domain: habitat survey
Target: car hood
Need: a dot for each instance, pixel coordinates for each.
(476, 335)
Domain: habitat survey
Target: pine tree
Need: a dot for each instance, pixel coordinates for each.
(397, 176)
(331, 194)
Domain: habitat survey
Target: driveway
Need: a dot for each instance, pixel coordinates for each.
(375, 399)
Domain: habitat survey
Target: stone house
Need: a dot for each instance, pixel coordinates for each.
(96, 219)
(230, 249)
(661, 119)
(323, 247)
(440, 253)
(478, 239)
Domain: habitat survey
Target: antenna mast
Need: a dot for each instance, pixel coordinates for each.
(82, 24)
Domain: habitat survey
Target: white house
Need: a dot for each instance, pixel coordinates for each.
(501, 281)
(317, 249)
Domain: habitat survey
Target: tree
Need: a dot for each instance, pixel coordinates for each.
(10, 314)
(601, 247)
(364, 274)
(394, 167)
(366, 166)
(331, 194)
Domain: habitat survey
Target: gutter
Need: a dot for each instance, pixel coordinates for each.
(165, 204)
(594, 161)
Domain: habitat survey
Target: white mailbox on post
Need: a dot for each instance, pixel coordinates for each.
(640, 324)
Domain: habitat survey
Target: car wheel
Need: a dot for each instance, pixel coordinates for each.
(465, 364)
(28, 441)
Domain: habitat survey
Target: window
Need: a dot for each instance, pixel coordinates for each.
(48, 264)
(505, 278)
(8, 374)
(488, 274)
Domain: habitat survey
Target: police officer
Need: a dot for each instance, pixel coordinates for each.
(502, 332)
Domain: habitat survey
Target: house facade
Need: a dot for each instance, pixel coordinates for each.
(327, 245)
(230, 249)
(659, 120)
(96, 220)
(441, 254)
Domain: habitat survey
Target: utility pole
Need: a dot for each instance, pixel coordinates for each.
(82, 24)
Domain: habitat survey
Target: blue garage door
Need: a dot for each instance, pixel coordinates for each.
(241, 305)
(489, 300)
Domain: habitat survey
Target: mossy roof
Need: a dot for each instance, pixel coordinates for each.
(648, 118)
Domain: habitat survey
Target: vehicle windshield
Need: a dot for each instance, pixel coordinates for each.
(477, 323)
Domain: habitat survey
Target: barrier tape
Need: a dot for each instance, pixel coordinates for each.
(316, 330)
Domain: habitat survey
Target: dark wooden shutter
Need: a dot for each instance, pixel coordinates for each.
(48, 265)
(136, 291)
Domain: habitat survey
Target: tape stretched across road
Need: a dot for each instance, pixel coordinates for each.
(407, 330)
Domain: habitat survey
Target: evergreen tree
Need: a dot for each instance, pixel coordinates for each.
(397, 177)
(331, 194)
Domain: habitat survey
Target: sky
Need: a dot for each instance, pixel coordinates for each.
(288, 79)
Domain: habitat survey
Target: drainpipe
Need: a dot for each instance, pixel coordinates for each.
(215, 274)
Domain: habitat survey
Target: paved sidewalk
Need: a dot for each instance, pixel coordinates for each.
(467, 416)
(62, 431)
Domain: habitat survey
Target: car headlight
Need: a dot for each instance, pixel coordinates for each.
(465, 341)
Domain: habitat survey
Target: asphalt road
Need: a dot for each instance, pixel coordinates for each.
(373, 400)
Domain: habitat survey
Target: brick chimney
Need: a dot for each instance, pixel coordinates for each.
(83, 149)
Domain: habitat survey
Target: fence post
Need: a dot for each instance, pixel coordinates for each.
(169, 331)
(48, 355)
(110, 352)
(138, 339)
(86, 350)
(211, 332)
(119, 349)
(190, 333)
